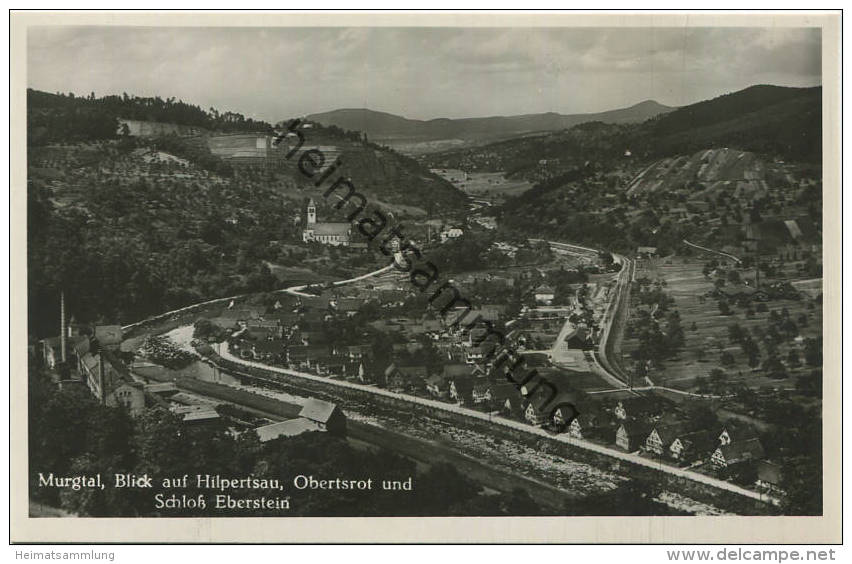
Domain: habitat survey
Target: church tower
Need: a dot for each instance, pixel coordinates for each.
(312, 212)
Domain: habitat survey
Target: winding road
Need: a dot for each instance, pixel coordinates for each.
(293, 290)
(616, 311)
(713, 251)
(604, 361)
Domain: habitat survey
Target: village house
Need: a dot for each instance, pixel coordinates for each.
(461, 388)
(326, 415)
(195, 414)
(289, 428)
(316, 415)
(161, 389)
(111, 383)
(736, 432)
(353, 352)
(475, 354)
(564, 415)
(315, 355)
(513, 406)
(737, 453)
(274, 351)
(201, 416)
(336, 369)
(587, 425)
(482, 391)
(579, 337)
(432, 327)
(662, 436)
(392, 298)
(692, 446)
(643, 407)
(264, 330)
(128, 394)
(297, 356)
(631, 435)
(288, 320)
(537, 411)
(451, 233)
(485, 391)
(769, 476)
(348, 306)
(544, 295)
(405, 378)
(438, 386)
(51, 349)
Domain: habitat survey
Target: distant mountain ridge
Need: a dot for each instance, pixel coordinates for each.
(778, 121)
(384, 126)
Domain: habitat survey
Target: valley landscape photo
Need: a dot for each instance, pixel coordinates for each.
(367, 271)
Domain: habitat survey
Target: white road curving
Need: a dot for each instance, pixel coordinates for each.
(293, 290)
(713, 251)
(517, 425)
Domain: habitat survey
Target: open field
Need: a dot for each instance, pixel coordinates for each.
(491, 186)
(708, 340)
(297, 274)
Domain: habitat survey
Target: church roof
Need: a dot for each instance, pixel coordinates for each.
(341, 229)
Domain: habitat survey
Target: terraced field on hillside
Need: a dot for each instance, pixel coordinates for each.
(705, 174)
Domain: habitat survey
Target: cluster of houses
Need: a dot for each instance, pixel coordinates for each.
(652, 427)
(91, 357)
(295, 336)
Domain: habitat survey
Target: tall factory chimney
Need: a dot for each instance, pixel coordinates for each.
(62, 337)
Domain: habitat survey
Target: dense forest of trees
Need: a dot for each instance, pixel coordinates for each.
(129, 250)
(66, 117)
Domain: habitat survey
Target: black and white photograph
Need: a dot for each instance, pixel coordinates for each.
(429, 268)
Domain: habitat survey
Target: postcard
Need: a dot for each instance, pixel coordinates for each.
(425, 277)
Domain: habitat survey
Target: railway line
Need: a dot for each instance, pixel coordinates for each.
(515, 425)
(614, 317)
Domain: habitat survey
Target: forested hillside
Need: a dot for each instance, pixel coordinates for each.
(63, 118)
(129, 232)
(780, 122)
(132, 226)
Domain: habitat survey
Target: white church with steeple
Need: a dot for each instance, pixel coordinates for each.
(325, 233)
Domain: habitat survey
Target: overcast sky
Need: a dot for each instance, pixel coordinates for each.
(275, 73)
